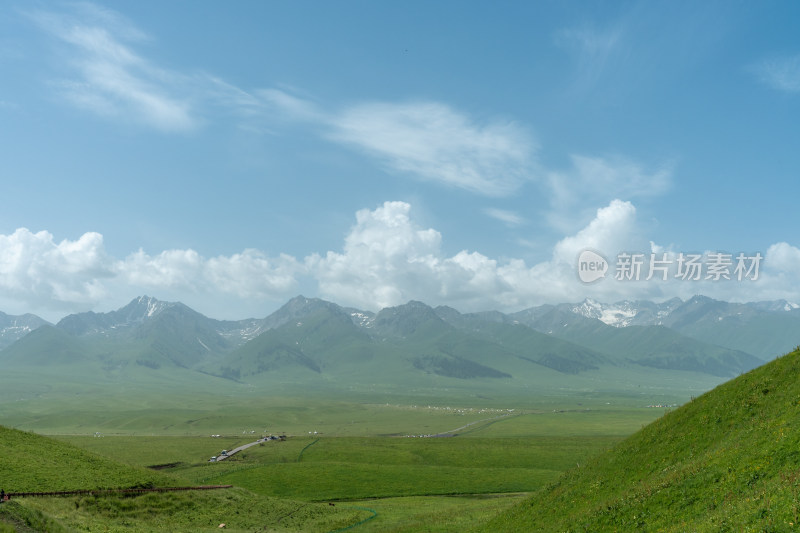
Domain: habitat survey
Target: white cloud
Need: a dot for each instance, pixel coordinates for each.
(610, 231)
(386, 259)
(508, 217)
(595, 181)
(38, 271)
(109, 78)
(783, 257)
(434, 142)
(250, 274)
(781, 73)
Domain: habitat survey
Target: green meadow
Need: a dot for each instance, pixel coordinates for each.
(354, 459)
(344, 464)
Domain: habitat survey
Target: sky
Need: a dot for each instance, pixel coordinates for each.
(232, 155)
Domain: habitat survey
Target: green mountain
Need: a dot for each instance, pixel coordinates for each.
(651, 346)
(46, 345)
(762, 328)
(313, 343)
(526, 343)
(323, 338)
(14, 327)
(727, 461)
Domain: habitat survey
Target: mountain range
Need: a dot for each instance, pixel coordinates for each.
(313, 340)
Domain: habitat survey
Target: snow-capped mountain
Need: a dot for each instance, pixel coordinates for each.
(13, 327)
(764, 329)
(626, 312)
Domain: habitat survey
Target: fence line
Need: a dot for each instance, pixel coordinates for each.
(98, 492)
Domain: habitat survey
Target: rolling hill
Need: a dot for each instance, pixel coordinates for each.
(727, 461)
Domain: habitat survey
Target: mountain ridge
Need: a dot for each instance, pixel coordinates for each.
(329, 340)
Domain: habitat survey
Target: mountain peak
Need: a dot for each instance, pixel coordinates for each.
(141, 308)
(403, 320)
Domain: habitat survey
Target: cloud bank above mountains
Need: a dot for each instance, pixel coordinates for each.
(386, 259)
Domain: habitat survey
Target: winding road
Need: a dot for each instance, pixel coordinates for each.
(240, 448)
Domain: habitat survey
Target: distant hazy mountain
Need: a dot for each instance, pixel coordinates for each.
(654, 346)
(310, 338)
(13, 328)
(764, 329)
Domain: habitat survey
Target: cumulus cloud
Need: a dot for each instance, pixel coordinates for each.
(45, 275)
(37, 270)
(250, 274)
(595, 181)
(386, 259)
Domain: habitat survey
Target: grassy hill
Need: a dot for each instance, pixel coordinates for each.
(727, 461)
(32, 463)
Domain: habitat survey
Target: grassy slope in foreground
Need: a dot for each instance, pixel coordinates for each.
(727, 461)
(32, 463)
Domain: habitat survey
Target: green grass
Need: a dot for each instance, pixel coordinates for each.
(187, 512)
(508, 444)
(434, 514)
(429, 484)
(357, 468)
(158, 450)
(727, 461)
(31, 463)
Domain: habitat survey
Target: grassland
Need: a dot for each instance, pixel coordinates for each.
(412, 484)
(506, 447)
(727, 461)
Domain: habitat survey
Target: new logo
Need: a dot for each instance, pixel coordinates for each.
(591, 266)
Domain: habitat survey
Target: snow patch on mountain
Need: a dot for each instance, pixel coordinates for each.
(618, 315)
(362, 320)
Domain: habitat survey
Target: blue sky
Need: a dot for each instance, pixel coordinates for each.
(232, 155)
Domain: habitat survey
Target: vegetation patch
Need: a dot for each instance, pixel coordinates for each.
(727, 461)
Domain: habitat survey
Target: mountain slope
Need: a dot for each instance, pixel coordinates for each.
(727, 461)
(180, 336)
(653, 346)
(14, 327)
(761, 328)
(322, 337)
(46, 345)
(525, 342)
(32, 463)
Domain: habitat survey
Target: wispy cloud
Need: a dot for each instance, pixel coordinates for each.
(107, 76)
(597, 180)
(592, 48)
(427, 140)
(432, 141)
(782, 74)
(508, 217)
